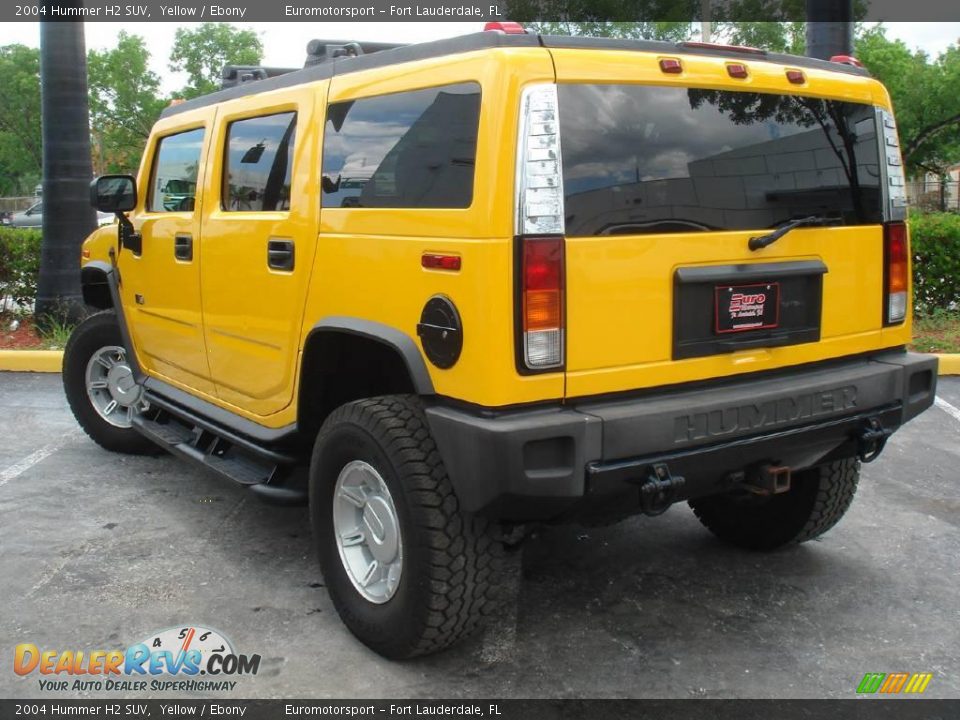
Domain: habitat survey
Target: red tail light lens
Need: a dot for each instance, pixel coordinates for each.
(897, 272)
(542, 298)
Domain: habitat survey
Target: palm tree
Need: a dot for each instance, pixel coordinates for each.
(67, 170)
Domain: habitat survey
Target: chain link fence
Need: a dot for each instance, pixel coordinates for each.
(16, 204)
(933, 194)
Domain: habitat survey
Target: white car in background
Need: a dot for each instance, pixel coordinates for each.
(32, 217)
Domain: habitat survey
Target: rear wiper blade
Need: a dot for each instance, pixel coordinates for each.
(762, 241)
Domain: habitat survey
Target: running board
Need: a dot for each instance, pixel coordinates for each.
(266, 471)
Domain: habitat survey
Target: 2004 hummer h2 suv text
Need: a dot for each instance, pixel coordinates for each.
(448, 290)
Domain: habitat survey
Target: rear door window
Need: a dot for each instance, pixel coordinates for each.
(258, 163)
(173, 187)
(645, 159)
(412, 149)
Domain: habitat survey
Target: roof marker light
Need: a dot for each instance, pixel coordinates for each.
(508, 28)
(671, 65)
(796, 77)
(737, 70)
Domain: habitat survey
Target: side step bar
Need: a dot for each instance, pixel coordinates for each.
(271, 474)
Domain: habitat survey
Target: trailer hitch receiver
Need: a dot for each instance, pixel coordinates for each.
(872, 439)
(658, 490)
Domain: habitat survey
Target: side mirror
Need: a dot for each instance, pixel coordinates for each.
(114, 193)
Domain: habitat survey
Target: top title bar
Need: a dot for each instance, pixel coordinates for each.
(480, 10)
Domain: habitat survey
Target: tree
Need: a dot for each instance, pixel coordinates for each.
(67, 215)
(125, 102)
(924, 95)
(785, 37)
(637, 19)
(202, 53)
(673, 31)
(21, 160)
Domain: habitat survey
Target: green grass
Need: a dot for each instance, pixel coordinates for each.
(937, 332)
(55, 333)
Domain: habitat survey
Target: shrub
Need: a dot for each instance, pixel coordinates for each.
(19, 264)
(936, 260)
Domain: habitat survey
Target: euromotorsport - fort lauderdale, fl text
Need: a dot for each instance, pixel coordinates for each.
(395, 11)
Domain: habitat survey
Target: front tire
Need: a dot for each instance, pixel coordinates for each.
(817, 499)
(101, 388)
(407, 571)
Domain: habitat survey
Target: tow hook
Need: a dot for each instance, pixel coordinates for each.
(871, 440)
(658, 490)
(769, 480)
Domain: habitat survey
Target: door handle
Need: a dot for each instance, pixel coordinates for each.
(280, 255)
(183, 247)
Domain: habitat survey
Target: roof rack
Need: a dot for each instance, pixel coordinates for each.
(318, 52)
(234, 75)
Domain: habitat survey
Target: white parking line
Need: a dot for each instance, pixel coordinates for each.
(943, 405)
(33, 458)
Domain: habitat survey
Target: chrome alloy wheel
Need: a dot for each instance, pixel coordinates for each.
(367, 531)
(111, 387)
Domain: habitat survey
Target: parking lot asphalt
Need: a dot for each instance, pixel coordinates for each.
(98, 551)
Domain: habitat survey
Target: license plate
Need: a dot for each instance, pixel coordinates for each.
(739, 308)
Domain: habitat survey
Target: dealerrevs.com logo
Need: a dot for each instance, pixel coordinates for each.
(894, 683)
(172, 659)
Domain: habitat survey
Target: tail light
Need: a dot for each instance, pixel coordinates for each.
(896, 255)
(539, 232)
(542, 302)
(896, 246)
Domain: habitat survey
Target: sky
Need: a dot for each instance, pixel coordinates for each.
(285, 43)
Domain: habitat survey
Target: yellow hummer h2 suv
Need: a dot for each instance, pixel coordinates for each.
(445, 291)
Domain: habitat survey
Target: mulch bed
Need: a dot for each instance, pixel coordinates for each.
(23, 338)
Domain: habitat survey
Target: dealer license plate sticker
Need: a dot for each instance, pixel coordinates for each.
(739, 308)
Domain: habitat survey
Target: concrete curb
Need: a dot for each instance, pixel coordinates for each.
(949, 364)
(52, 360)
(48, 361)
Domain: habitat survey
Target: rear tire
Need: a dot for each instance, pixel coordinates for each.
(438, 574)
(817, 499)
(99, 337)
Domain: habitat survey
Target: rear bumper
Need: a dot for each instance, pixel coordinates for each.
(587, 457)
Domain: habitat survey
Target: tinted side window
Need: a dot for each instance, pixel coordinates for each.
(258, 162)
(405, 150)
(174, 184)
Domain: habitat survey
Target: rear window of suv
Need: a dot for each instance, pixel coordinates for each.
(644, 159)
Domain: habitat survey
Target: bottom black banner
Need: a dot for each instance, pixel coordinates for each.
(494, 709)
